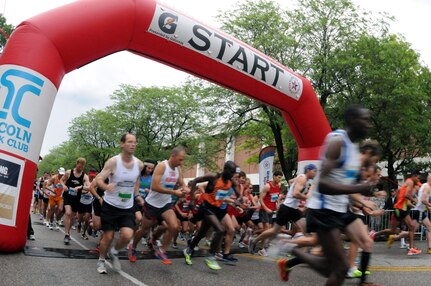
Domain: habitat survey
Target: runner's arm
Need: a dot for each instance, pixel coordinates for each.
(107, 170)
(300, 184)
(262, 195)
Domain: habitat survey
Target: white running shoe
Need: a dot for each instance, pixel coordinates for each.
(262, 252)
(101, 268)
(116, 265)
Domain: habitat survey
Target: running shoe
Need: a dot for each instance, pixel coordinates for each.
(219, 256)
(212, 264)
(101, 268)
(31, 237)
(390, 241)
(57, 226)
(414, 251)
(404, 246)
(187, 256)
(429, 251)
(262, 252)
(370, 284)
(116, 265)
(229, 258)
(358, 273)
(242, 245)
(51, 226)
(207, 242)
(162, 256)
(283, 269)
(67, 239)
(131, 253)
(84, 236)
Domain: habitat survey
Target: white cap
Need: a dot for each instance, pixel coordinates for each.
(61, 171)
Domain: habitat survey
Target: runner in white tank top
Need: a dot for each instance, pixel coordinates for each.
(168, 180)
(117, 210)
(327, 214)
(158, 207)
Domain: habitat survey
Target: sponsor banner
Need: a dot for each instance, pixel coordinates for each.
(184, 31)
(266, 162)
(11, 170)
(26, 99)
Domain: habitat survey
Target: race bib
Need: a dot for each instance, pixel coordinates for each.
(124, 197)
(274, 197)
(72, 192)
(222, 194)
(86, 199)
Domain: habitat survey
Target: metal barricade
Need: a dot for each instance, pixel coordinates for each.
(378, 223)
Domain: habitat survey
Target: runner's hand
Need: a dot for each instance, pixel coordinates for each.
(179, 193)
(140, 201)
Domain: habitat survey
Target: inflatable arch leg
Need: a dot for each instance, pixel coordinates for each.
(46, 47)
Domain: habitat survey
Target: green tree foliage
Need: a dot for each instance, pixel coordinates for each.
(385, 74)
(302, 39)
(97, 133)
(6, 31)
(64, 155)
(161, 118)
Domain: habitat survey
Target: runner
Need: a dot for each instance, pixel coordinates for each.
(401, 214)
(327, 207)
(85, 207)
(43, 198)
(288, 211)
(73, 183)
(268, 206)
(422, 210)
(117, 211)
(55, 203)
(158, 203)
(214, 205)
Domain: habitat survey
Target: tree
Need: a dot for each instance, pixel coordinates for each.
(385, 74)
(304, 39)
(161, 118)
(5, 31)
(64, 155)
(97, 133)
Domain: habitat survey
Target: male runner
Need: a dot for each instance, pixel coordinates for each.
(117, 210)
(214, 208)
(289, 209)
(327, 207)
(73, 183)
(158, 203)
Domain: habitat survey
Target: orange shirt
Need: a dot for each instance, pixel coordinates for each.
(401, 202)
(220, 192)
(58, 188)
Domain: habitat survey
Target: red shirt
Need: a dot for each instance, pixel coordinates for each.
(270, 200)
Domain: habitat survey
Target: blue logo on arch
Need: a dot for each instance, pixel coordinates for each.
(14, 96)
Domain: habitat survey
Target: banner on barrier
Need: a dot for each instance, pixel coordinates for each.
(266, 162)
(11, 170)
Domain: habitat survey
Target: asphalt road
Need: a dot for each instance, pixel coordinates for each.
(46, 262)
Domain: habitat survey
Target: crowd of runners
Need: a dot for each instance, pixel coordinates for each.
(150, 204)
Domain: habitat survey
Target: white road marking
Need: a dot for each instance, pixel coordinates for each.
(121, 272)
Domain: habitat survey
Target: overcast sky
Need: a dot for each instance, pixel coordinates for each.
(85, 88)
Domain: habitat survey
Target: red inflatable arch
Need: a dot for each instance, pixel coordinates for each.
(46, 47)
